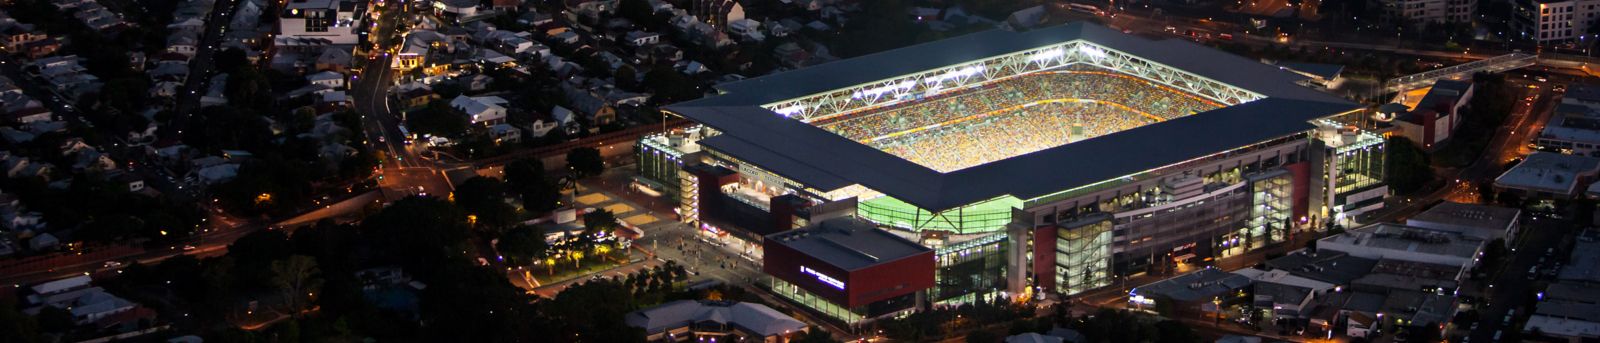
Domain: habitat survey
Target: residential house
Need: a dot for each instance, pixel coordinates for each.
(481, 110)
(331, 79)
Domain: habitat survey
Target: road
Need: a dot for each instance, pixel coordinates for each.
(403, 170)
(1510, 287)
(1526, 120)
(200, 66)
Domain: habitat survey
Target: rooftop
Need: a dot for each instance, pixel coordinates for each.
(1442, 91)
(1482, 221)
(1562, 327)
(1585, 263)
(827, 162)
(1568, 133)
(1582, 92)
(753, 318)
(1383, 238)
(1196, 286)
(1326, 266)
(848, 243)
(1549, 172)
(1322, 70)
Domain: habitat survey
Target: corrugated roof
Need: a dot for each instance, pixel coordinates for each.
(848, 243)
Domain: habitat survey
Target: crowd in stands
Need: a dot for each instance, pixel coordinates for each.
(999, 120)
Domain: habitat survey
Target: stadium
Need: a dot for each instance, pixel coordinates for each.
(1131, 155)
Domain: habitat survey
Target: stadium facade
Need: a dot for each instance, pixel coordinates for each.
(1160, 153)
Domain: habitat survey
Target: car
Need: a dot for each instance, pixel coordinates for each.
(187, 247)
(111, 265)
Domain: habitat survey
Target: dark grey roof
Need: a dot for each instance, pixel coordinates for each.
(848, 243)
(826, 161)
(1441, 91)
(1327, 266)
(1322, 70)
(1197, 286)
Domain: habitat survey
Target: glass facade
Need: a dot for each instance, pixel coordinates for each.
(970, 269)
(791, 292)
(1358, 166)
(1083, 255)
(1270, 208)
(986, 216)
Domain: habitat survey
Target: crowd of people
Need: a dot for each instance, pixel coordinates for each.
(964, 128)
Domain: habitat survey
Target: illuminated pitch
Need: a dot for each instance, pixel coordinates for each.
(965, 127)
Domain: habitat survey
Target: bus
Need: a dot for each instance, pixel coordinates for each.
(404, 134)
(1085, 8)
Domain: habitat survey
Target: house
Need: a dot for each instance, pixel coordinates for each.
(415, 97)
(482, 110)
(642, 38)
(456, 10)
(217, 173)
(541, 126)
(694, 320)
(566, 119)
(567, 37)
(747, 30)
(134, 182)
(85, 302)
(18, 35)
(43, 242)
(333, 80)
(505, 133)
(477, 82)
(181, 44)
(335, 60)
(42, 48)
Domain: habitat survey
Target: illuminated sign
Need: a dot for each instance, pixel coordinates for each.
(1141, 300)
(823, 277)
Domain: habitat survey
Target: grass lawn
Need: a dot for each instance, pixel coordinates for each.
(564, 270)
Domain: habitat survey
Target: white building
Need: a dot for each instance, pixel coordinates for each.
(1546, 21)
(1405, 243)
(481, 110)
(327, 78)
(1429, 11)
(337, 21)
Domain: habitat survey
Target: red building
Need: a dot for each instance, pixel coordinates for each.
(848, 269)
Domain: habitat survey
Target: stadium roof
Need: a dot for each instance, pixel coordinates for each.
(826, 161)
(848, 243)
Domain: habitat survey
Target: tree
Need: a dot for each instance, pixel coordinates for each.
(16, 326)
(522, 245)
(669, 85)
(585, 162)
(1409, 167)
(982, 336)
(421, 232)
(298, 278)
(248, 88)
(230, 60)
(484, 198)
(599, 221)
(639, 11)
(55, 320)
(438, 119)
(814, 334)
(627, 77)
(527, 179)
